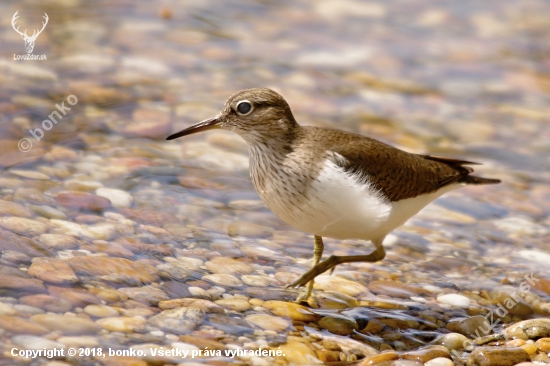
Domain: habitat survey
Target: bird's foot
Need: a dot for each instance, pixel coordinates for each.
(315, 271)
(309, 299)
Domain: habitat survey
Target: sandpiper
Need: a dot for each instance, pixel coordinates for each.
(332, 183)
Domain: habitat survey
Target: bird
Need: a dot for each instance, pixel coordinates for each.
(332, 183)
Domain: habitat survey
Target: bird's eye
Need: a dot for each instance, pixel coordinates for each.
(244, 107)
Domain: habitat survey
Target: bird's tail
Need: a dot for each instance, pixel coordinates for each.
(470, 179)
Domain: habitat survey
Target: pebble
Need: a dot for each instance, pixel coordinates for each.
(395, 289)
(47, 303)
(149, 123)
(439, 361)
(33, 195)
(234, 304)
(22, 226)
(379, 358)
(268, 322)
(21, 284)
(248, 229)
(454, 341)
(299, 353)
(543, 344)
(122, 324)
(255, 280)
(81, 185)
(290, 310)
(48, 212)
(119, 270)
(78, 342)
(66, 324)
(207, 306)
(118, 198)
(529, 329)
(83, 201)
(18, 325)
(179, 321)
(229, 324)
(497, 356)
(35, 343)
(426, 354)
(51, 270)
(221, 265)
(30, 174)
(455, 300)
(100, 311)
(223, 280)
(468, 326)
(338, 284)
(8, 208)
(145, 294)
(6, 309)
(338, 325)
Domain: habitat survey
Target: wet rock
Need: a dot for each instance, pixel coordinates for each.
(221, 265)
(179, 321)
(119, 270)
(29, 174)
(501, 356)
(48, 212)
(395, 289)
(543, 285)
(529, 329)
(234, 304)
(33, 195)
(118, 198)
(338, 325)
(47, 303)
(290, 310)
(425, 354)
(101, 311)
(56, 241)
(229, 324)
(454, 341)
(268, 322)
(6, 309)
(18, 325)
(149, 123)
(338, 284)
(267, 294)
(35, 343)
(21, 284)
(439, 361)
(543, 344)
(123, 324)
(8, 208)
(83, 201)
(378, 359)
(147, 295)
(223, 280)
(205, 305)
(149, 217)
(299, 353)
(81, 185)
(454, 300)
(335, 300)
(259, 281)
(467, 326)
(22, 226)
(248, 229)
(66, 324)
(51, 270)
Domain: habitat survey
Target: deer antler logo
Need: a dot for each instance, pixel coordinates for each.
(29, 40)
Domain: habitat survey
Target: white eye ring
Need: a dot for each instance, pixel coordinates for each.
(241, 107)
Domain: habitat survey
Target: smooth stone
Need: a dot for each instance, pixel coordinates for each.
(27, 310)
(543, 284)
(48, 212)
(248, 229)
(530, 348)
(149, 217)
(118, 270)
(149, 123)
(101, 311)
(234, 304)
(379, 358)
(268, 322)
(35, 343)
(256, 280)
(338, 325)
(118, 198)
(454, 341)
(224, 280)
(30, 174)
(18, 325)
(111, 295)
(83, 201)
(468, 326)
(148, 295)
(22, 226)
(455, 300)
(18, 243)
(47, 303)
(179, 321)
(425, 354)
(346, 343)
(8, 208)
(529, 329)
(395, 289)
(221, 265)
(230, 325)
(21, 284)
(267, 294)
(7, 309)
(439, 361)
(290, 310)
(81, 185)
(497, 356)
(299, 353)
(207, 306)
(191, 264)
(51, 270)
(122, 324)
(543, 344)
(66, 324)
(335, 300)
(338, 284)
(34, 196)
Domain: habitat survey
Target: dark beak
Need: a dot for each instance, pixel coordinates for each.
(206, 125)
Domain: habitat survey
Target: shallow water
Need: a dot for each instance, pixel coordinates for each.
(469, 80)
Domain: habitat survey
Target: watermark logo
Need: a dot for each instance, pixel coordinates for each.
(25, 144)
(29, 40)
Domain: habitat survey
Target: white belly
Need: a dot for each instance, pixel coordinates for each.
(338, 205)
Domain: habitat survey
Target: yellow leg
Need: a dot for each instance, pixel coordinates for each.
(318, 247)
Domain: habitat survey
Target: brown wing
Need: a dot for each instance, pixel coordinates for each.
(396, 173)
